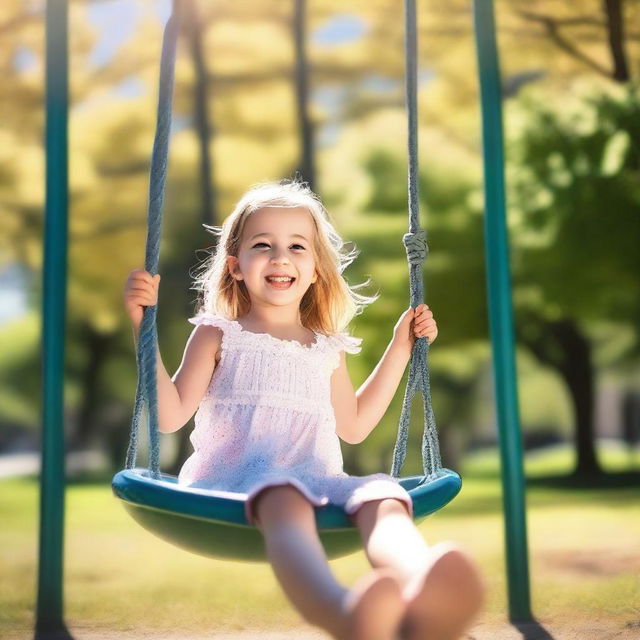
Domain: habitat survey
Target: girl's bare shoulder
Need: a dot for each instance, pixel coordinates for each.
(206, 338)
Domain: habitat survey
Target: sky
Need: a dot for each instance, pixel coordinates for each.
(13, 296)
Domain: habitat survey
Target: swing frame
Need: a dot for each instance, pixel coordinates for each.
(49, 608)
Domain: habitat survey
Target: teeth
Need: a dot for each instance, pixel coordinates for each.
(279, 279)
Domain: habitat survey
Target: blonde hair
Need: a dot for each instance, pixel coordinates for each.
(327, 306)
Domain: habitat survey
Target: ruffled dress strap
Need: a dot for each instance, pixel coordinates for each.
(345, 342)
(213, 319)
(231, 330)
(341, 342)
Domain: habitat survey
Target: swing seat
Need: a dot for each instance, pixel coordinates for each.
(213, 523)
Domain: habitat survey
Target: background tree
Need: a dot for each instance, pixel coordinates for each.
(356, 109)
(575, 185)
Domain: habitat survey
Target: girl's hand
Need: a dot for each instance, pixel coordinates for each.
(140, 290)
(415, 323)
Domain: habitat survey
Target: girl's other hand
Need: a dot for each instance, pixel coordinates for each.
(140, 290)
(415, 323)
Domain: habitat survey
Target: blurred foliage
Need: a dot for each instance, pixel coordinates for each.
(356, 79)
(575, 185)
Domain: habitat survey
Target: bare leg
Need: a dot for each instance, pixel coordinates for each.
(391, 539)
(372, 610)
(441, 584)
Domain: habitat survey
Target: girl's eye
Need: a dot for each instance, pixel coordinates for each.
(258, 244)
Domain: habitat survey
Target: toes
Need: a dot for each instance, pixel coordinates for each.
(444, 599)
(376, 607)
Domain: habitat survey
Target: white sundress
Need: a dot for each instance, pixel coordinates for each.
(266, 420)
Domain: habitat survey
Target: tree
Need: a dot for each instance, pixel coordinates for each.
(575, 191)
(569, 33)
(250, 56)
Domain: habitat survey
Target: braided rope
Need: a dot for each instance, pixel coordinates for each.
(414, 242)
(146, 389)
(417, 251)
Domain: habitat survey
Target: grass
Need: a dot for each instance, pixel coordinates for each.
(583, 557)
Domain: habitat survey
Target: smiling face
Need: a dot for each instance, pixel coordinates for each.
(276, 241)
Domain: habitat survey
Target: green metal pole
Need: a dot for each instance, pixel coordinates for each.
(50, 569)
(501, 315)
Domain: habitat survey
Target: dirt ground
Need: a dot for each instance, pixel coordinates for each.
(588, 630)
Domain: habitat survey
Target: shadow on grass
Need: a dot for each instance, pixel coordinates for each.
(55, 634)
(616, 488)
(605, 480)
(532, 631)
(577, 482)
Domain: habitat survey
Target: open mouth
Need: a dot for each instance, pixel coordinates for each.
(280, 284)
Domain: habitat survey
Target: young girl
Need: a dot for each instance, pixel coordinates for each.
(265, 368)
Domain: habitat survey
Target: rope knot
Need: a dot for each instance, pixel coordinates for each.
(416, 247)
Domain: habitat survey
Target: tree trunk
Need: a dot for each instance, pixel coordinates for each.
(204, 131)
(561, 345)
(578, 374)
(615, 36)
(98, 346)
(614, 17)
(302, 96)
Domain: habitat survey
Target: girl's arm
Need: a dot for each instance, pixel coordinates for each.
(357, 414)
(179, 397)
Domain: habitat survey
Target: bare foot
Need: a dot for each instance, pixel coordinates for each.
(373, 608)
(442, 600)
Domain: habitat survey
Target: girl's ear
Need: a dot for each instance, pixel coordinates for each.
(232, 265)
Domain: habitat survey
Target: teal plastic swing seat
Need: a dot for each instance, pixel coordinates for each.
(213, 523)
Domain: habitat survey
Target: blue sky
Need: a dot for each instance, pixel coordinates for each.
(117, 21)
(13, 296)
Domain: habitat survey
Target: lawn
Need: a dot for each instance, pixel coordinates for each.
(584, 558)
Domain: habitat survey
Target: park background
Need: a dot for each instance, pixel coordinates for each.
(572, 121)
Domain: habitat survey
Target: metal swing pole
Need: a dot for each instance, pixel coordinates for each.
(501, 315)
(49, 614)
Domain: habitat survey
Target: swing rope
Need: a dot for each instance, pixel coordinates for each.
(417, 250)
(146, 389)
(414, 242)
